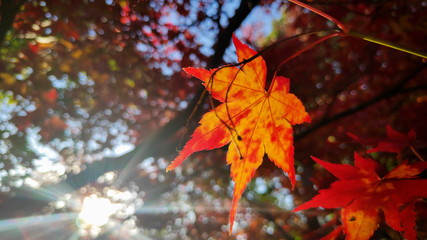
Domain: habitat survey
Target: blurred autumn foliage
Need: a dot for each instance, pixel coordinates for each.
(93, 101)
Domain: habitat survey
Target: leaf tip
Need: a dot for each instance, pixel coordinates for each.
(296, 209)
(231, 226)
(188, 70)
(353, 136)
(169, 168)
(307, 118)
(175, 164)
(237, 43)
(233, 210)
(235, 38)
(315, 159)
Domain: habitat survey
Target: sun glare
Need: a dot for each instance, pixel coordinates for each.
(96, 211)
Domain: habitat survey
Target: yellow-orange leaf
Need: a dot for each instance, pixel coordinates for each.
(255, 120)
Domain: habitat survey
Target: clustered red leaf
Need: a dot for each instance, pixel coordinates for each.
(256, 121)
(395, 142)
(363, 195)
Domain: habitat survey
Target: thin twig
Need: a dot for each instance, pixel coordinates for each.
(303, 50)
(416, 153)
(317, 11)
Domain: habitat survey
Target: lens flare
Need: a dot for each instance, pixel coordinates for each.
(96, 211)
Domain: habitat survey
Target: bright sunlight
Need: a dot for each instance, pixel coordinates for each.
(96, 211)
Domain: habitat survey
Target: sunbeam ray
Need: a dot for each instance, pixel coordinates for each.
(9, 224)
(45, 194)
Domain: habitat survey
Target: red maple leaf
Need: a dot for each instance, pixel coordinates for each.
(256, 121)
(395, 141)
(363, 195)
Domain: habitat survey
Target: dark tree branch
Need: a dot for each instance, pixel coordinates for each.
(414, 88)
(386, 94)
(224, 37)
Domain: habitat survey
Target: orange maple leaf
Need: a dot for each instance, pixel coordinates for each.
(255, 120)
(363, 194)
